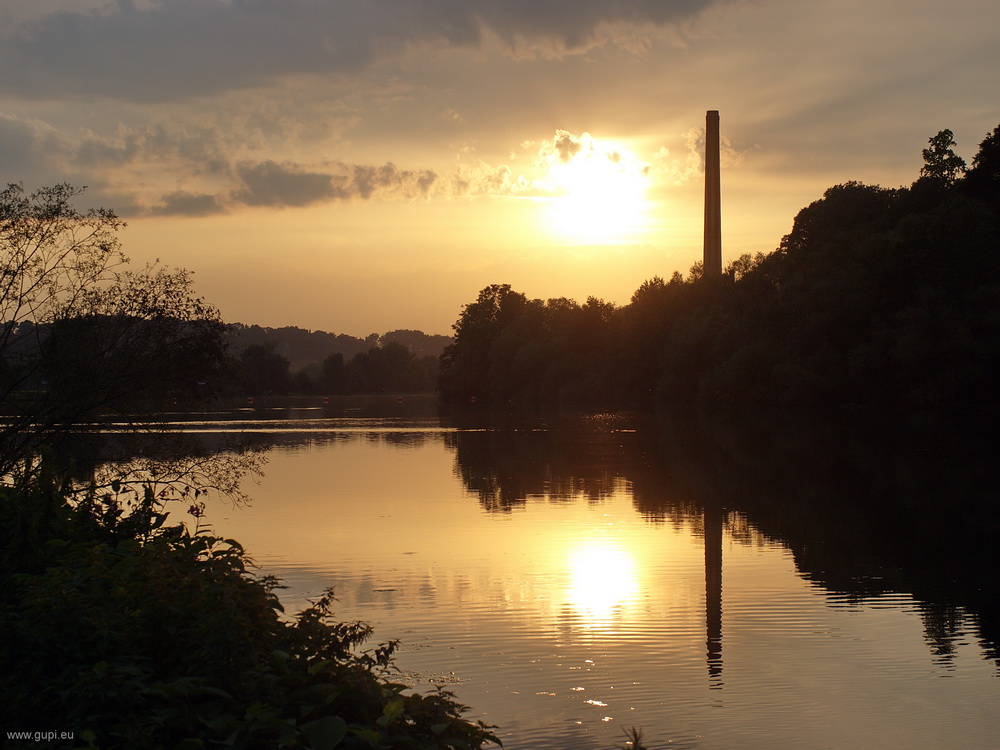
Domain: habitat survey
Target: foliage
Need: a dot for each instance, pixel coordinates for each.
(52, 253)
(983, 178)
(120, 628)
(262, 370)
(133, 633)
(633, 739)
(388, 367)
(878, 295)
(941, 163)
(510, 348)
(299, 346)
(289, 359)
(80, 332)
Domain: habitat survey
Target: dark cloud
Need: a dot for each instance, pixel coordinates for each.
(566, 145)
(271, 184)
(367, 180)
(175, 49)
(186, 155)
(182, 203)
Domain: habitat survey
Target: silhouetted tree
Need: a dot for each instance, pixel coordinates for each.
(332, 377)
(302, 382)
(418, 342)
(300, 346)
(80, 332)
(941, 163)
(983, 178)
(263, 370)
(466, 364)
(383, 369)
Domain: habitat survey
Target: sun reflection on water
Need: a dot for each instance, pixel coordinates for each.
(603, 578)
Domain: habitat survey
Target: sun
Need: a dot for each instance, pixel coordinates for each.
(598, 193)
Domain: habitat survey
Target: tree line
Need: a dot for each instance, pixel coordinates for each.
(83, 357)
(386, 367)
(306, 349)
(877, 296)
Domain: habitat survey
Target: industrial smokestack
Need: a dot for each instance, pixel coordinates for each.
(713, 199)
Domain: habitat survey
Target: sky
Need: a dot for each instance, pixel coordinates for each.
(360, 166)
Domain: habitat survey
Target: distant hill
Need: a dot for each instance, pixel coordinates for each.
(303, 348)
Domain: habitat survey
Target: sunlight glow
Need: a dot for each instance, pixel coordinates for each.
(603, 577)
(599, 192)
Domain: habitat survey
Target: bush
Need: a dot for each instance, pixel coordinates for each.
(132, 633)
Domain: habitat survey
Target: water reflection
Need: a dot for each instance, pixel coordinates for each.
(723, 582)
(603, 579)
(867, 510)
(713, 522)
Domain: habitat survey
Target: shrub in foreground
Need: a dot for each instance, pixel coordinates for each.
(133, 633)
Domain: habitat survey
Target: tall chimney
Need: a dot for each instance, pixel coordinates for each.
(713, 200)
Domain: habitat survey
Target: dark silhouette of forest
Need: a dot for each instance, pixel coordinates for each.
(279, 361)
(307, 349)
(71, 359)
(878, 296)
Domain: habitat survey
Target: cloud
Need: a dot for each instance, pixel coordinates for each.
(199, 149)
(17, 145)
(170, 50)
(486, 179)
(565, 145)
(208, 169)
(25, 143)
(575, 24)
(182, 203)
(548, 167)
(676, 171)
(271, 184)
(388, 180)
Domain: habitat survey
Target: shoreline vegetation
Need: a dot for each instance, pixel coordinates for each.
(122, 630)
(133, 632)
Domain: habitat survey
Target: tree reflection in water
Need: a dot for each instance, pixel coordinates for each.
(866, 509)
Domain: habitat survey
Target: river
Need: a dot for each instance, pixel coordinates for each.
(752, 582)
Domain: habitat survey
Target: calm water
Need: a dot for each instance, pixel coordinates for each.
(763, 585)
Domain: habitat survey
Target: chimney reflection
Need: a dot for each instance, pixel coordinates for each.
(713, 518)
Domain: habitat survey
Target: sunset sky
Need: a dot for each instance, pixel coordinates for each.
(358, 166)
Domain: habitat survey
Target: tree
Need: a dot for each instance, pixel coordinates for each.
(390, 368)
(80, 332)
(264, 370)
(332, 378)
(983, 178)
(465, 365)
(941, 163)
(418, 342)
(743, 265)
(845, 212)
